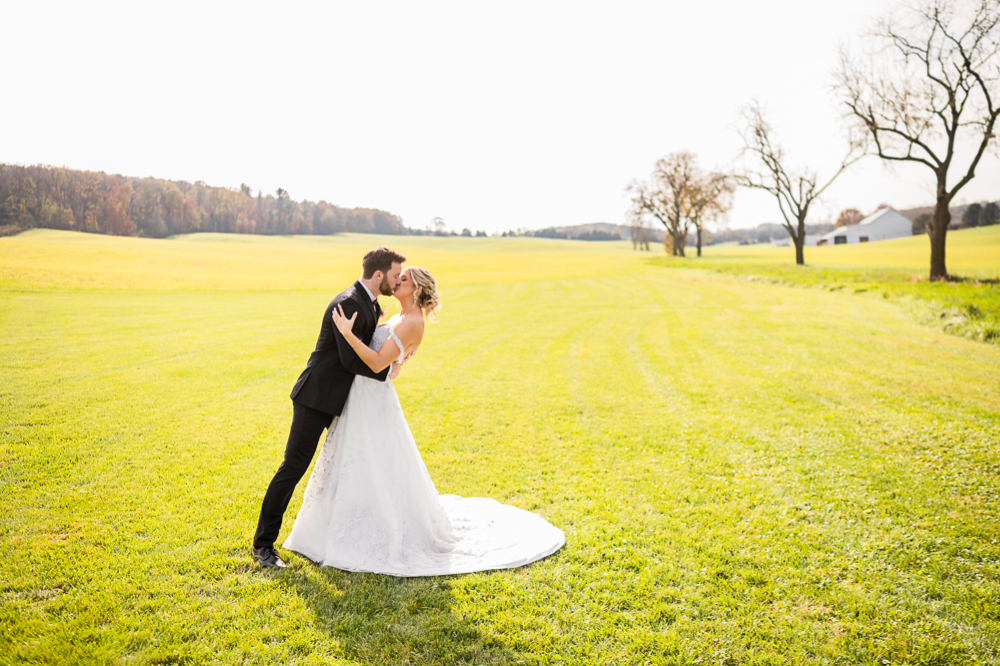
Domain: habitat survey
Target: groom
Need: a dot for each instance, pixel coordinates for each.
(321, 390)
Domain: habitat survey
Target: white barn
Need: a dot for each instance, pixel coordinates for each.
(880, 225)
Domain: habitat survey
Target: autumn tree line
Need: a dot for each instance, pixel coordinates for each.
(59, 198)
(924, 91)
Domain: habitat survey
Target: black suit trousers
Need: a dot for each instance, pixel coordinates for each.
(307, 426)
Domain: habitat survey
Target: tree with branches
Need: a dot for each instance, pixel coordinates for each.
(680, 195)
(795, 190)
(641, 232)
(710, 198)
(664, 196)
(926, 87)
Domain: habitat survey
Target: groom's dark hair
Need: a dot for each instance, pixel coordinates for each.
(379, 259)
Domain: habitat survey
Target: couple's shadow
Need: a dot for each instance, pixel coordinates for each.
(388, 620)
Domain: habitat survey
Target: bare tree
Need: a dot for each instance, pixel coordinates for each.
(665, 196)
(681, 196)
(796, 191)
(709, 200)
(642, 234)
(929, 85)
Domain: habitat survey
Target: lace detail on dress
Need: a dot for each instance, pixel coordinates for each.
(382, 333)
(321, 475)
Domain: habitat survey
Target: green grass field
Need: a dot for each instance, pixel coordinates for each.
(746, 472)
(969, 305)
(970, 253)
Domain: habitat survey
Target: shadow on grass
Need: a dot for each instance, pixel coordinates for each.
(388, 620)
(992, 282)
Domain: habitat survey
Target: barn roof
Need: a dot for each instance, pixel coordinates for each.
(877, 216)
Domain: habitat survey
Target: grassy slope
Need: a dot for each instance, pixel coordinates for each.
(970, 253)
(968, 306)
(745, 472)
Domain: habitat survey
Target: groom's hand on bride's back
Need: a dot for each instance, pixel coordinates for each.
(340, 320)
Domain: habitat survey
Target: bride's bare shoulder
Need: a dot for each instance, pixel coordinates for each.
(412, 324)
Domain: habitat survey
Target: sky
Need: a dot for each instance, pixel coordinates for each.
(492, 116)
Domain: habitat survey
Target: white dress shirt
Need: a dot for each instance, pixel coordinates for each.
(368, 291)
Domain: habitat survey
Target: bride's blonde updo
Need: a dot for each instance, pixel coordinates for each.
(425, 293)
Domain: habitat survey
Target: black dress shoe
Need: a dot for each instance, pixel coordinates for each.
(268, 557)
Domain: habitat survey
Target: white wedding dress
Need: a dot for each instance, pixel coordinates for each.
(370, 504)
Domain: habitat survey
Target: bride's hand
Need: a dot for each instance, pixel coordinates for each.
(343, 324)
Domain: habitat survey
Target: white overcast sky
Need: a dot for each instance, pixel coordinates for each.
(490, 115)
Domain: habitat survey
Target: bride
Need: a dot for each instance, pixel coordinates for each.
(370, 504)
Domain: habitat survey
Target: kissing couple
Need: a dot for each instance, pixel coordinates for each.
(370, 504)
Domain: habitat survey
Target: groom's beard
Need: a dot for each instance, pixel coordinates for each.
(385, 288)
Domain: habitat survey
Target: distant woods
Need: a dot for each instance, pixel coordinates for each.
(58, 198)
(979, 215)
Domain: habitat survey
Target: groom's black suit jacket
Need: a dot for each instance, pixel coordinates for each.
(326, 381)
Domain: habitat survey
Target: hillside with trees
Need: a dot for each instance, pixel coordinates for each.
(96, 202)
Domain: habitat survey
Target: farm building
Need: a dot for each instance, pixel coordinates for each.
(880, 225)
